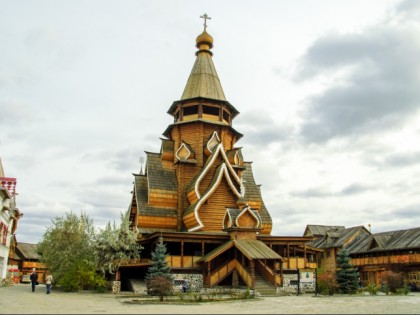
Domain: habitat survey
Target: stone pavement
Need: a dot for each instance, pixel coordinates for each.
(19, 299)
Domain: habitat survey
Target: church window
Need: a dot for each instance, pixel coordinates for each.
(190, 110)
(210, 110)
(226, 117)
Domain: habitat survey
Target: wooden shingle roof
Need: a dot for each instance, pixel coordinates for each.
(159, 177)
(253, 192)
(141, 190)
(27, 251)
(252, 249)
(320, 230)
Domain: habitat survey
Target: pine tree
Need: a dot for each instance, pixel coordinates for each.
(159, 280)
(347, 276)
(159, 266)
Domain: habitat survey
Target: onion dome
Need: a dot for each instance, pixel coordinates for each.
(204, 41)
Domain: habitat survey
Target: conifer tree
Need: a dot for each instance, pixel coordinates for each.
(159, 266)
(346, 275)
(159, 280)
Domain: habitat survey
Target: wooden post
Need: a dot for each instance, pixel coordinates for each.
(200, 110)
(208, 274)
(252, 274)
(182, 253)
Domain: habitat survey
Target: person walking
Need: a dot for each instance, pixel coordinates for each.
(48, 281)
(34, 279)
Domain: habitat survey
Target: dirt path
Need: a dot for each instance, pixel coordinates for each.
(19, 299)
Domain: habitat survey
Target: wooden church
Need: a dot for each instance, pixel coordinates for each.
(199, 195)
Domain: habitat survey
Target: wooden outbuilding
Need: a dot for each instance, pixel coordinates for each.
(371, 254)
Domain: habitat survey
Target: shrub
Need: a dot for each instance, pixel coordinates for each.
(403, 291)
(391, 281)
(372, 289)
(327, 283)
(160, 286)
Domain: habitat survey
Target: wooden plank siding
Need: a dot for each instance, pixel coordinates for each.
(183, 261)
(213, 211)
(386, 260)
(156, 222)
(163, 198)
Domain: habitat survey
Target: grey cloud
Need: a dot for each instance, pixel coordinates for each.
(354, 189)
(408, 212)
(13, 112)
(262, 129)
(312, 193)
(380, 88)
(403, 159)
(103, 199)
(408, 9)
(124, 160)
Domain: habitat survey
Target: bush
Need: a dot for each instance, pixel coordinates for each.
(372, 289)
(327, 283)
(391, 281)
(403, 291)
(160, 286)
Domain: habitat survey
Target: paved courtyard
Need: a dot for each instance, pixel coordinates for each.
(19, 299)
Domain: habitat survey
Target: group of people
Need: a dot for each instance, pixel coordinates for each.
(34, 281)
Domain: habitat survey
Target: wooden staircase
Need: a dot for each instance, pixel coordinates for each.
(263, 287)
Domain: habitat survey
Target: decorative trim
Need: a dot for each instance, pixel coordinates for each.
(209, 192)
(180, 148)
(244, 210)
(212, 143)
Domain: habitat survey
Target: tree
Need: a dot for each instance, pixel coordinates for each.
(67, 250)
(347, 276)
(159, 280)
(114, 245)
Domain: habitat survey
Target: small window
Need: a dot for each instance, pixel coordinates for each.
(191, 110)
(226, 116)
(209, 110)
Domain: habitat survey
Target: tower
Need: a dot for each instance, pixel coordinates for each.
(199, 176)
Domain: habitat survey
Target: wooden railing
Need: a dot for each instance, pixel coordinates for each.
(183, 261)
(222, 272)
(245, 275)
(268, 273)
(384, 260)
(298, 263)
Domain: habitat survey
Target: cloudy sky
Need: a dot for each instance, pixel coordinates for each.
(328, 94)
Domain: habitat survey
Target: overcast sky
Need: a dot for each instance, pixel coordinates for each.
(328, 94)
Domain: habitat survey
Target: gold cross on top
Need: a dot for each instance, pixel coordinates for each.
(205, 17)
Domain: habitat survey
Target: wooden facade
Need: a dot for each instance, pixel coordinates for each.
(372, 254)
(199, 195)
